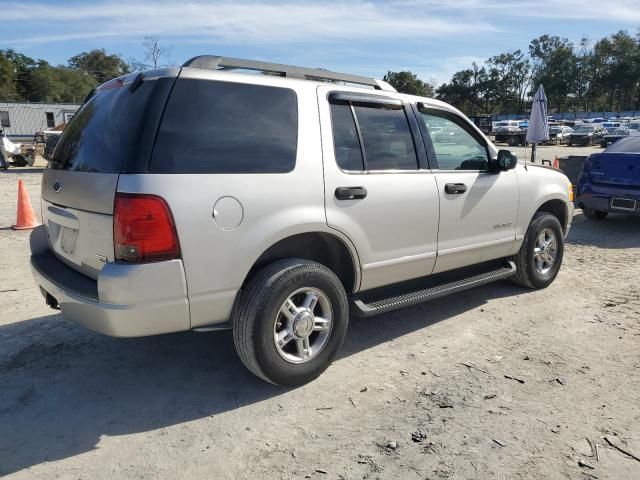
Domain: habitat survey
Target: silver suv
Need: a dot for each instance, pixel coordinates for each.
(201, 198)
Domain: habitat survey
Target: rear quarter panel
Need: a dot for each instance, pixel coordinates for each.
(274, 206)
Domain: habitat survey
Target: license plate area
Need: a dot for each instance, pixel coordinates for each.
(625, 204)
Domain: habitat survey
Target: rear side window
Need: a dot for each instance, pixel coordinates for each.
(378, 137)
(223, 127)
(388, 144)
(345, 138)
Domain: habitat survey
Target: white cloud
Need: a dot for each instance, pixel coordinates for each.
(233, 22)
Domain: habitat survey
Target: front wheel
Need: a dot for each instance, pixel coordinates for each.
(540, 255)
(291, 321)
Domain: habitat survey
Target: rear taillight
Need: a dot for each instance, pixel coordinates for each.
(143, 229)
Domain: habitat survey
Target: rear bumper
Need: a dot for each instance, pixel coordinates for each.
(602, 202)
(126, 300)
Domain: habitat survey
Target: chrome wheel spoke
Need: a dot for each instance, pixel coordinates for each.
(321, 324)
(303, 348)
(284, 337)
(310, 301)
(289, 309)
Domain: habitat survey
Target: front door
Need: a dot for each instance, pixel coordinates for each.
(478, 208)
(375, 192)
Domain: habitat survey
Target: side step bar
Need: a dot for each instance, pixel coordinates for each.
(383, 305)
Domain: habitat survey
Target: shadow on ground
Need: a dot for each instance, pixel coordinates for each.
(615, 231)
(68, 386)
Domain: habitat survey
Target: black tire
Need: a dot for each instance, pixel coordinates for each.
(592, 214)
(256, 311)
(527, 275)
(513, 141)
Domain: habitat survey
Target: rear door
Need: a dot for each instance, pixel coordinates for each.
(478, 208)
(376, 191)
(112, 132)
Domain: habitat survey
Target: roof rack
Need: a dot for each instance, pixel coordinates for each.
(212, 62)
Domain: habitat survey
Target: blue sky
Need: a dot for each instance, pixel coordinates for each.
(433, 38)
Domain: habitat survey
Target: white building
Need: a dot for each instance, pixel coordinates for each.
(21, 120)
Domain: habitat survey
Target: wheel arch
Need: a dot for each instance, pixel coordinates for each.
(325, 248)
(558, 209)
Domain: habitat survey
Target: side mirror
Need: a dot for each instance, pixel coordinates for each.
(506, 160)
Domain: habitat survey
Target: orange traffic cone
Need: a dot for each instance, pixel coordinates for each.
(556, 163)
(26, 217)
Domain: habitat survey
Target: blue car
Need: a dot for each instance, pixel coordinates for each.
(610, 181)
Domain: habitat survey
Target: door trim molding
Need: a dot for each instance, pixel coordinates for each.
(398, 261)
(466, 248)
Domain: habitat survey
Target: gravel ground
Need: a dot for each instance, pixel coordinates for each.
(498, 382)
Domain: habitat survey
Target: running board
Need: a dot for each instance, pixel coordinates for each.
(383, 305)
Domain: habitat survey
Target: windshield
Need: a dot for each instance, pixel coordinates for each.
(584, 129)
(625, 145)
(620, 131)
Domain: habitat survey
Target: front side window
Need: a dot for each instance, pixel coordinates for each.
(456, 146)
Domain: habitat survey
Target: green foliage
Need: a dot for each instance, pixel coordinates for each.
(408, 82)
(100, 65)
(604, 75)
(26, 79)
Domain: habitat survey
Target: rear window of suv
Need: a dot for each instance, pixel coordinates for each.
(114, 130)
(223, 127)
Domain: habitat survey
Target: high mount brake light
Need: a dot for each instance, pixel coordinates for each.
(143, 229)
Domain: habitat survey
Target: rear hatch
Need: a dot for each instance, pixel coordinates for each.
(620, 169)
(112, 133)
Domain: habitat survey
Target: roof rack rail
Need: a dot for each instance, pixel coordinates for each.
(212, 62)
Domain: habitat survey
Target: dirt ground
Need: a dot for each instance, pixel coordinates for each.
(498, 382)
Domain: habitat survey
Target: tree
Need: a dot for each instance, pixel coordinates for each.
(408, 82)
(100, 65)
(554, 67)
(154, 52)
(8, 90)
(60, 84)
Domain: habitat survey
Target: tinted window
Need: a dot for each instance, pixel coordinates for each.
(388, 144)
(4, 119)
(626, 145)
(345, 137)
(112, 130)
(222, 127)
(456, 147)
(50, 120)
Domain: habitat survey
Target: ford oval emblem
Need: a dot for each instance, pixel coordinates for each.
(57, 186)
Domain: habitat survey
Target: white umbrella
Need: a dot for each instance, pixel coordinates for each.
(538, 130)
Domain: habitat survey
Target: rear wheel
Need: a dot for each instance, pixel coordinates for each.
(540, 255)
(592, 214)
(291, 321)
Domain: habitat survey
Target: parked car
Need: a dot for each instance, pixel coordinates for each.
(559, 135)
(611, 126)
(587, 134)
(614, 136)
(197, 198)
(610, 181)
